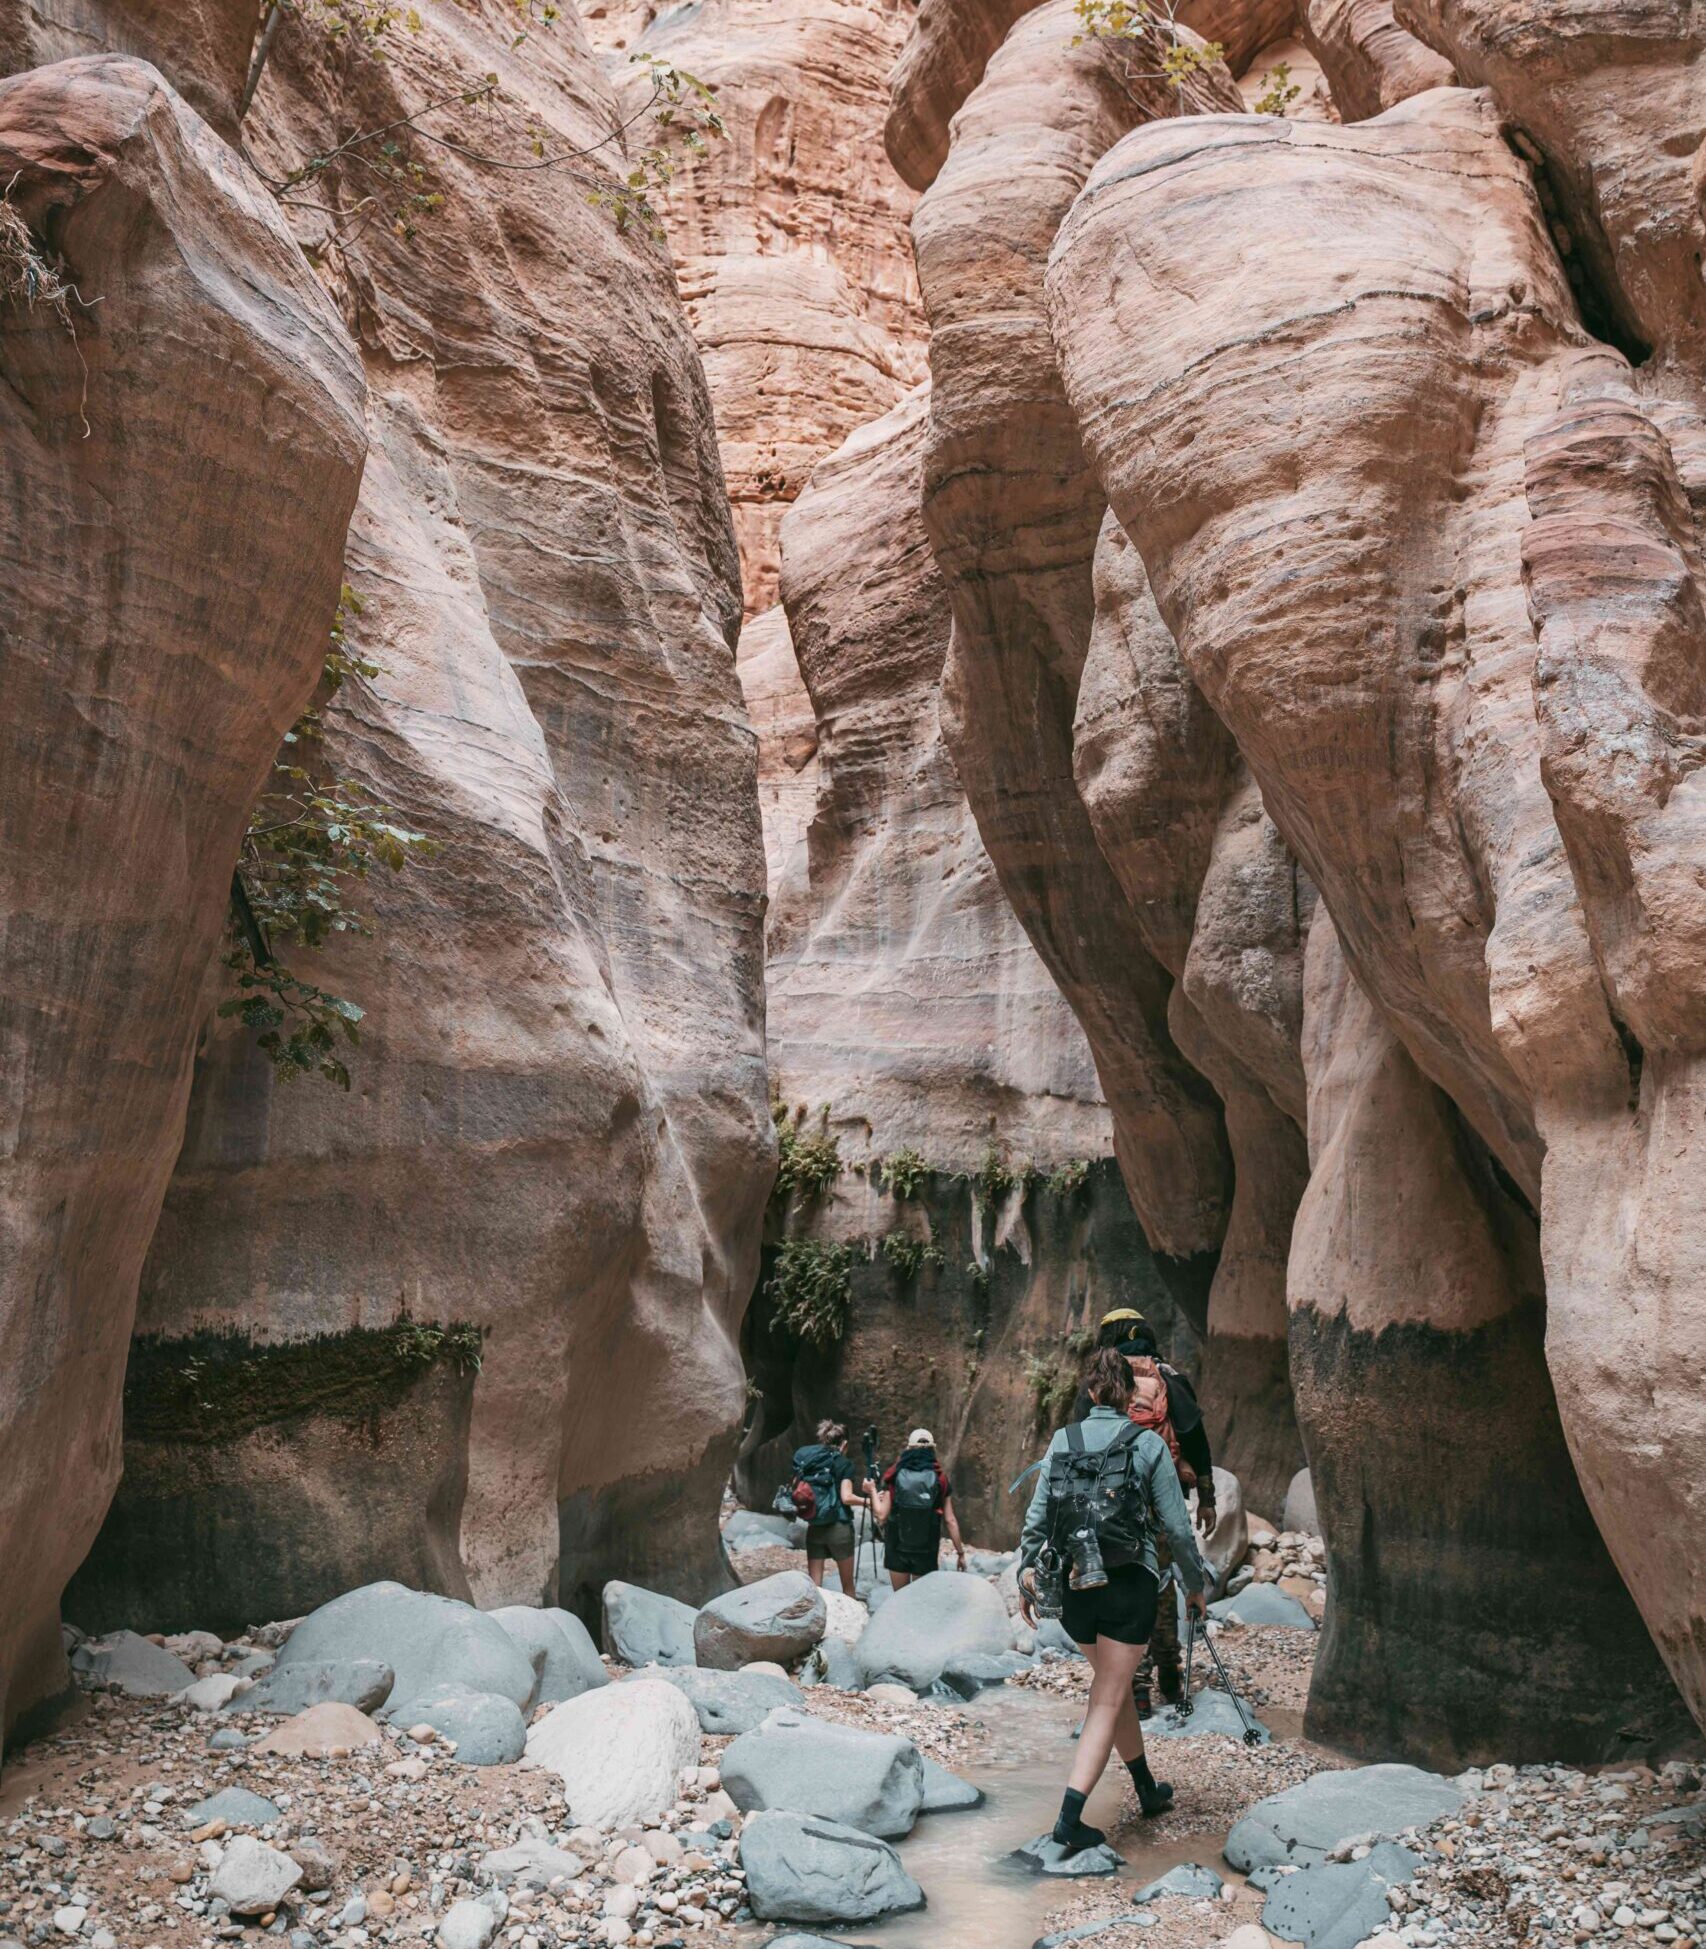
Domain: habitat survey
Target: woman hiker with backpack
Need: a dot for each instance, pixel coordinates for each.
(823, 1493)
(911, 1504)
(1165, 1401)
(1106, 1489)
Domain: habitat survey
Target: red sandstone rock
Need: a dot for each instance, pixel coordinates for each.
(1013, 512)
(790, 238)
(1480, 845)
(1371, 63)
(183, 450)
(559, 1126)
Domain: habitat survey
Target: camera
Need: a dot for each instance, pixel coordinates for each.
(1088, 1570)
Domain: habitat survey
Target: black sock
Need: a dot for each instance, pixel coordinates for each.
(1141, 1777)
(1072, 1807)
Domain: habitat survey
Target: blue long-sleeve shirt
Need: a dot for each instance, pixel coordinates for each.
(1153, 1464)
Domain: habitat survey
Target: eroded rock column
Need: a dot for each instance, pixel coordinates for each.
(183, 446)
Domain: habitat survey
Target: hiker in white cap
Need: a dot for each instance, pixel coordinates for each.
(913, 1500)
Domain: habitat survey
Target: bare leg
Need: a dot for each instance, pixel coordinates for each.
(900, 1578)
(814, 1568)
(1112, 1665)
(844, 1569)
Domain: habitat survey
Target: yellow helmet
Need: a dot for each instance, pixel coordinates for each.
(1124, 1313)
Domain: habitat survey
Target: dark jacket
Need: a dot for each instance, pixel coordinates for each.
(1183, 1408)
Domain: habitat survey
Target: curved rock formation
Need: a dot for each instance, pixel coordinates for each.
(1416, 1280)
(558, 1132)
(171, 563)
(790, 237)
(1013, 511)
(1345, 583)
(953, 41)
(1371, 63)
(905, 999)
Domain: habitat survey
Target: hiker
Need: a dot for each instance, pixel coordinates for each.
(1166, 1402)
(912, 1502)
(824, 1492)
(1124, 1473)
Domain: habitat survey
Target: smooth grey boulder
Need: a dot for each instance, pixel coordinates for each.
(1052, 1635)
(1300, 1512)
(286, 1690)
(1211, 1712)
(940, 1619)
(1304, 1823)
(471, 1925)
(794, 1939)
(1046, 1856)
(562, 1647)
(428, 1641)
(753, 1529)
(488, 1729)
(729, 1703)
(801, 1868)
(643, 1627)
(873, 1781)
(832, 1663)
(778, 1618)
(139, 1668)
(945, 1792)
(1338, 1904)
(236, 1806)
(1189, 1878)
(1263, 1604)
(252, 1878)
(531, 1862)
(976, 1671)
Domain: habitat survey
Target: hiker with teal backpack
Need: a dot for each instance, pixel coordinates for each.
(823, 1494)
(1106, 1489)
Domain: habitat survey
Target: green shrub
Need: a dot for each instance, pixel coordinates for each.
(810, 1290)
(994, 1177)
(1068, 1179)
(1053, 1381)
(810, 1160)
(904, 1174)
(909, 1255)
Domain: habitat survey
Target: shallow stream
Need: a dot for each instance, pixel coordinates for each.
(977, 1899)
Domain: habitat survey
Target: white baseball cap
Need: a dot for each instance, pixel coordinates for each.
(921, 1438)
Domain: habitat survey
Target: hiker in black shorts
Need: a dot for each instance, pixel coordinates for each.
(1112, 1621)
(913, 1502)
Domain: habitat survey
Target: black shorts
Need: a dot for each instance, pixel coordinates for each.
(913, 1563)
(1123, 1609)
(829, 1542)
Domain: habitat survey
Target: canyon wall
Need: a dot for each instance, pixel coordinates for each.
(790, 237)
(1393, 544)
(1420, 604)
(909, 1017)
(375, 1328)
(171, 564)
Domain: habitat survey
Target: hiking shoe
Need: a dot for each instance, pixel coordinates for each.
(1075, 1836)
(1171, 1682)
(1156, 1801)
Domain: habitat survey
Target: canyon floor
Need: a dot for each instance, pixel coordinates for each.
(106, 1837)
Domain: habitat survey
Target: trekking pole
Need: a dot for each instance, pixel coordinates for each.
(1187, 1705)
(1252, 1735)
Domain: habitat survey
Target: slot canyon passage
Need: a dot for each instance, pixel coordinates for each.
(718, 715)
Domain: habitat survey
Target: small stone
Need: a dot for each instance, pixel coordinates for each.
(101, 1828)
(69, 1921)
(380, 1904)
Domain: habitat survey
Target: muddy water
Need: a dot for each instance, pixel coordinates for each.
(977, 1900)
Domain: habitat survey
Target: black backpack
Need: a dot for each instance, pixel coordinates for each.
(814, 1495)
(914, 1518)
(1104, 1489)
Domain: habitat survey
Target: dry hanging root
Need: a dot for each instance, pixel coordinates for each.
(28, 276)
